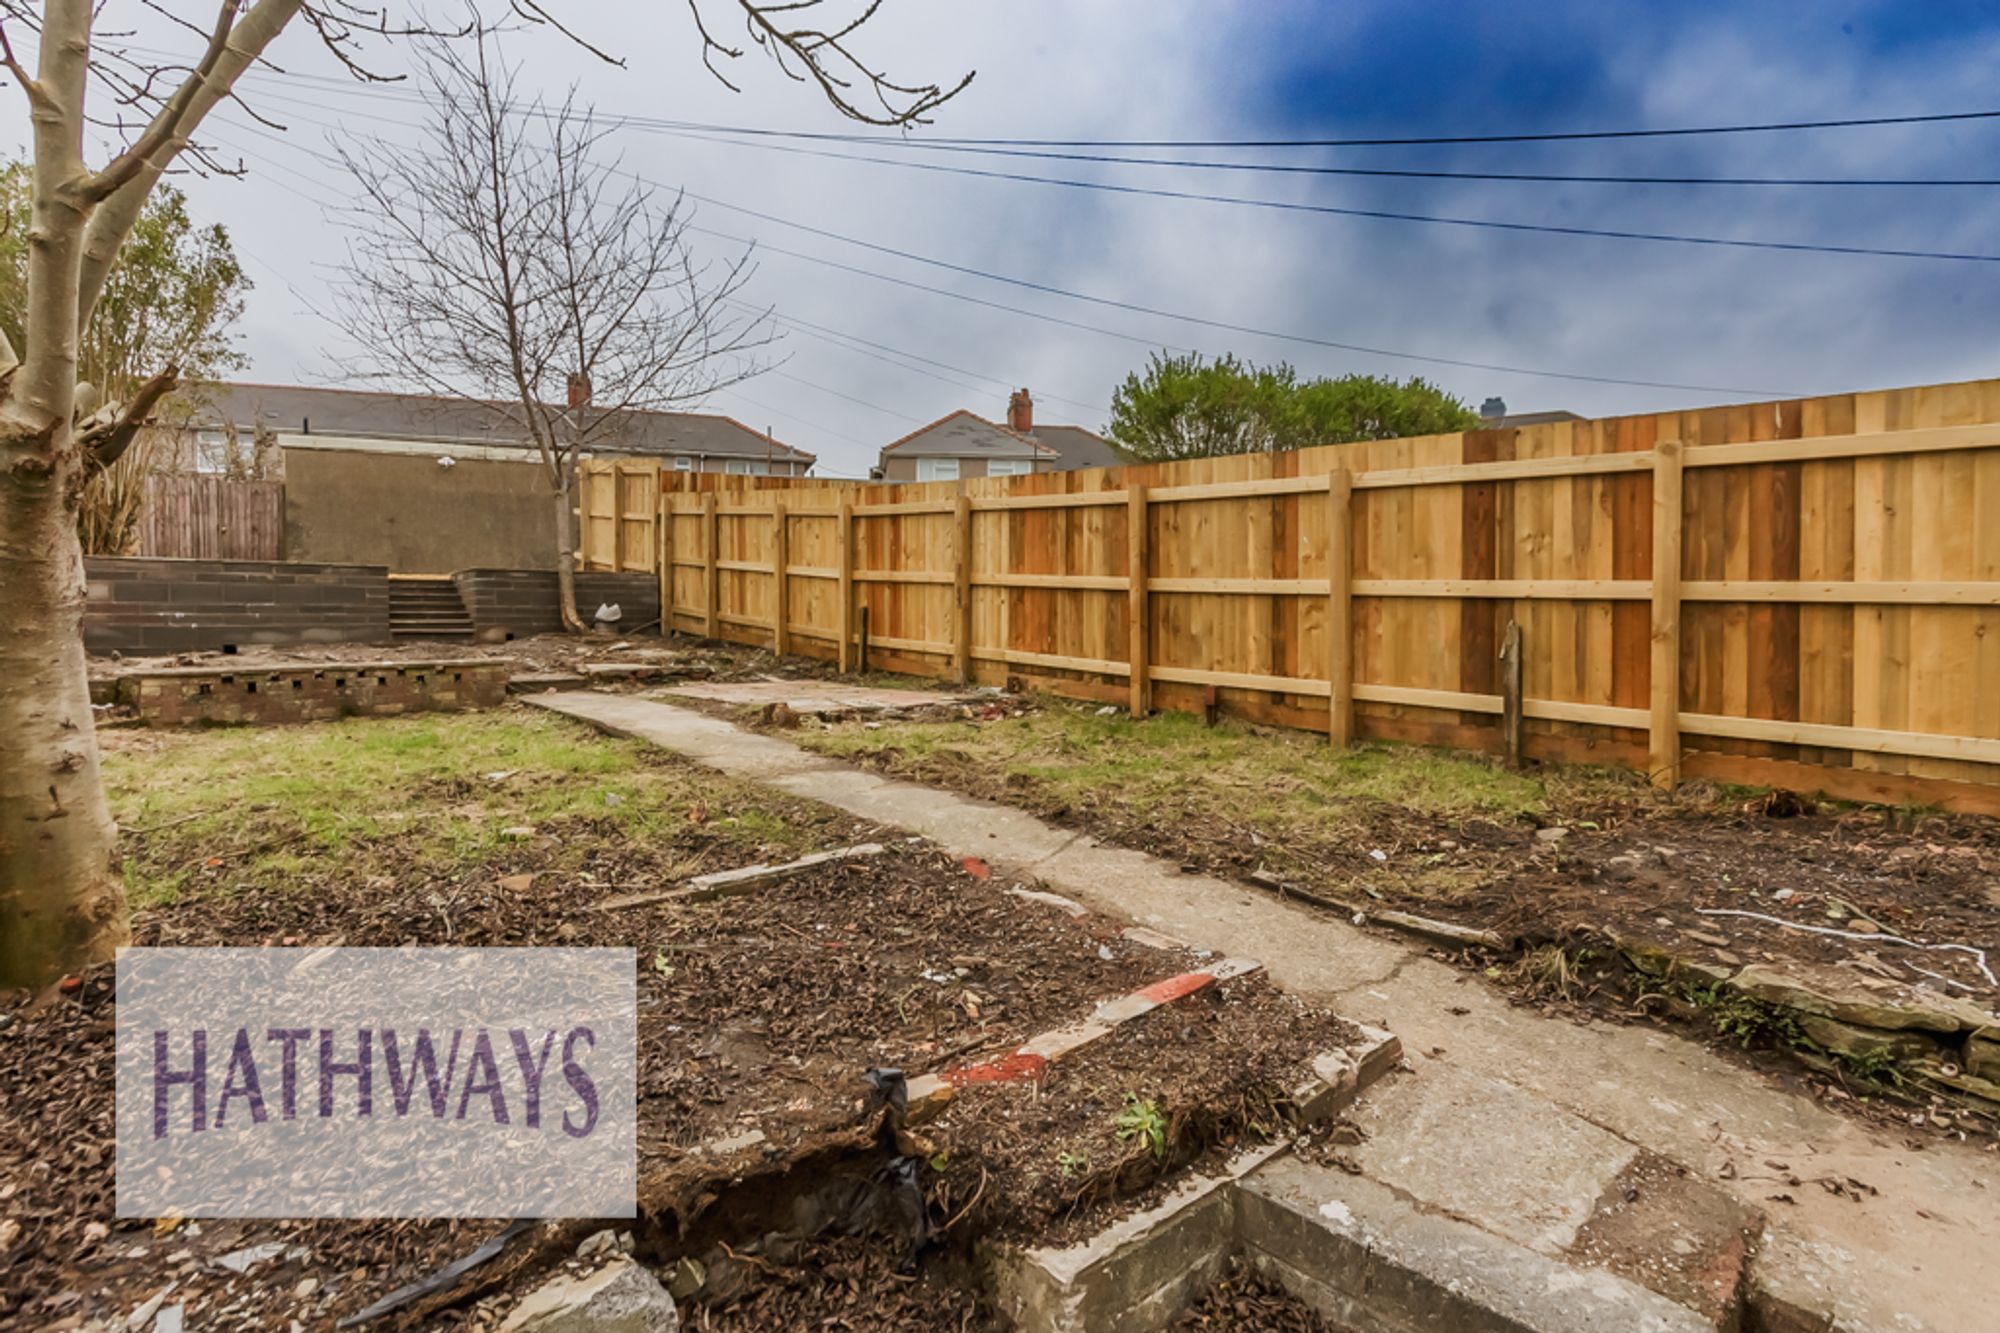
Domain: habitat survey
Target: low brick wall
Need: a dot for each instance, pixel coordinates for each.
(189, 696)
(520, 602)
(145, 606)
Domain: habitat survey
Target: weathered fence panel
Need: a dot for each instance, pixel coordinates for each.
(1834, 620)
(209, 518)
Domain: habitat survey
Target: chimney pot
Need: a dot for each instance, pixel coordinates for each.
(1021, 413)
(1493, 409)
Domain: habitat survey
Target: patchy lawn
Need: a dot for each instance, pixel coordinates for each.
(442, 796)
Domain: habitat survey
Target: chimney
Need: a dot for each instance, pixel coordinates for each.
(579, 389)
(1493, 409)
(1021, 413)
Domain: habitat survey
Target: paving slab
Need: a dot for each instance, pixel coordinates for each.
(1911, 1258)
(1368, 1257)
(1478, 1148)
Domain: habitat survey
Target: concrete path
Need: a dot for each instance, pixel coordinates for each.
(1914, 1255)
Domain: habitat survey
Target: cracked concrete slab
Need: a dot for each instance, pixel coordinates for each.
(1909, 1259)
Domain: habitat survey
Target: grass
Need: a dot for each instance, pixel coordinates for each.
(1072, 753)
(284, 807)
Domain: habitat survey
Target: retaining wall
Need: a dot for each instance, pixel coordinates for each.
(521, 602)
(188, 696)
(147, 606)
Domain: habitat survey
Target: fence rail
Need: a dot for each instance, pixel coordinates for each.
(1803, 593)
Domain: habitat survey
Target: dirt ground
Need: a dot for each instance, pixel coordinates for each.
(758, 1012)
(1557, 864)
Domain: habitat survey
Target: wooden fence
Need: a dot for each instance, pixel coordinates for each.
(1826, 614)
(208, 518)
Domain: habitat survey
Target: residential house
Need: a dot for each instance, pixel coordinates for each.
(431, 485)
(964, 445)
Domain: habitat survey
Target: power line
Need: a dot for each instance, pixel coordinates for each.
(1314, 169)
(1379, 214)
(1131, 307)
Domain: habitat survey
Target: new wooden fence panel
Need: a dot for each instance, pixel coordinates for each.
(1838, 605)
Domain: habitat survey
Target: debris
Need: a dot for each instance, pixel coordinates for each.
(306, 1288)
(1978, 955)
(170, 1320)
(1378, 855)
(517, 883)
(143, 1314)
(977, 868)
(722, 883)
(243, 1260)
(517, 831)
(1554, 833)
(1107, 711)
(621, 1297)
(443, 1279)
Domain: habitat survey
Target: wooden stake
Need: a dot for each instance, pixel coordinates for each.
(1512, 743)
(1664, 735)
(781, 560)
(844, 552)
(961, 588)
(1339, 608)
(711, 574)
(1138, 612)
(667, 565)
(862, 647)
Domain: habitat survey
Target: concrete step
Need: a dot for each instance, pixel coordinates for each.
(1368, 1257)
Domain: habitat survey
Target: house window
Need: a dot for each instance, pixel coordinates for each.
(1009, 467)
(683, 465)
(937, 469)
(744, 467)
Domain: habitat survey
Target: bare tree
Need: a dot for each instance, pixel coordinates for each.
(61, 904)
(509, 263)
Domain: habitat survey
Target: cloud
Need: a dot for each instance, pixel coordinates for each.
(1732, 319)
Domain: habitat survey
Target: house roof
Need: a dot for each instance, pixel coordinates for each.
(1512, 419)
(372, 415)
(1080, 447)
(963, 435)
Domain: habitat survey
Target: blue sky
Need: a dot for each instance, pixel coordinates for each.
(1740, 323)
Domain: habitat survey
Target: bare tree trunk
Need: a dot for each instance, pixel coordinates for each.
(566, 548)
(61, 902)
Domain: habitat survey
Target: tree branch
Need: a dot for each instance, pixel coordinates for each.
(167, 126)
(106, 439)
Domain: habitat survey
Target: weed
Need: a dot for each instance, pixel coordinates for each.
(1071, 1164)
(1145, 1121)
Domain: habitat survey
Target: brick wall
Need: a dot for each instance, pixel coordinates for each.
(188, 696)
(145, 606)
(521, 602)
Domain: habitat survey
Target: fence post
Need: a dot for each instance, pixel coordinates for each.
(844, 549)
(961, 586)
(1513, 746)
(667, 561)
(711, 574)
(1339, 608)
(1138, 612)
(1663, 761)
(781, 559)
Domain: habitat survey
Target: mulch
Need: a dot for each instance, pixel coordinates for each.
(761, 1010)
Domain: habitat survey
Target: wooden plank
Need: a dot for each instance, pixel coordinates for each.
(1240, 680)
(1663, 752)
(1243, 587)
(932, 576)
(1517, 469)
(1229, 490)
(961, 590)
(1068, 500)
(1549, 710)
(1080, 582)
(844, 571)
(1843, 784)
(1100, 666)
(1138, 609)
(1510, 695)
(711, 527)
(1870, 740)
(781, 603)
(905, 507)
(664, 566)
(1596, 590)
(1339, 607)
(909, 645)
(747, 566)
(1906, 593)
(1872, 444)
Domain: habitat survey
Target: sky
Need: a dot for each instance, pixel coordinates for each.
(868, 354)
